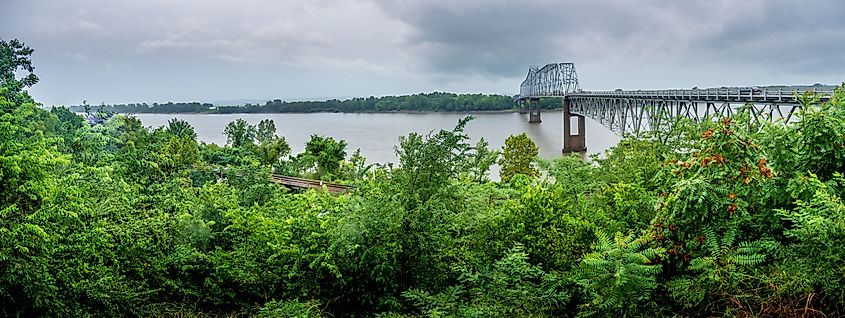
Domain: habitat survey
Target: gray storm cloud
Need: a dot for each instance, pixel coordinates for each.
(157, 50)
(499, 38)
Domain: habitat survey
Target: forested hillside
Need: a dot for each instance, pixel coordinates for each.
(724, 218)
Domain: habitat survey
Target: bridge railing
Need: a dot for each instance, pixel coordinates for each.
(738, 94)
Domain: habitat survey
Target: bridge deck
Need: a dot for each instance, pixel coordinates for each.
(632, 112)
(301, 183)
(786, 95)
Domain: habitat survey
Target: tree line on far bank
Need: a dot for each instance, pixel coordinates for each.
(423, 102)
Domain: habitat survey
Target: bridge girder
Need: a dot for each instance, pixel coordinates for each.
(627, 116)
(634, 112)
(554, 79)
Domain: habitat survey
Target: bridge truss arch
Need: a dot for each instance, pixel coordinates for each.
(634, 112)
(554, 79)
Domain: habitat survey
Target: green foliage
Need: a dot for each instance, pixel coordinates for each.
(178, 154)
(323, 155)
(723, 267)
(180, 128)
(239, 133)
(428, 163)
(573, 175)
(547, 226)
(726, 217)
(250, 143)
(271, 148)
(626, 206)
(619, 274)
(820, 147)
(480, 162)
(356, 168)
(633, 161)
(266, 131)
(14, 59)
(292, 309)
(510, 287)
(816, 249)
(518, 154)
(27, 160)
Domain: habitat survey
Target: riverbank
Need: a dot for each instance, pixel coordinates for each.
(469, 112)
(437, 102)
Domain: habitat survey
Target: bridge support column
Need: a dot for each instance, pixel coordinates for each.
(523, 109)
(534, 111)
(573, 142)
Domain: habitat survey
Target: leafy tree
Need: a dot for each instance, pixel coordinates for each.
(271, 148)
(480, 162)
(518, 154)
(816, 246)
(86, 108)
(326, 154)
(239, 133)
(425, 192)
(821, 133)
(28, 161)
(178, 154)
(180, 128)
(271, 151)
(266, 131)
(14, 58)
(547, 221)
(634, 161)
(356, 168)
(428, 163)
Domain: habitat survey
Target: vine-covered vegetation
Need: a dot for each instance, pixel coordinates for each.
(729, 217)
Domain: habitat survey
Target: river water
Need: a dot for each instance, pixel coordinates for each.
(376, 134)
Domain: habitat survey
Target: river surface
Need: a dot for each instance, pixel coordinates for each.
(376, 134)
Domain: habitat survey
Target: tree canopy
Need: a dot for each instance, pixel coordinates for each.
(725, 217)
(14, 58)
(518, 155)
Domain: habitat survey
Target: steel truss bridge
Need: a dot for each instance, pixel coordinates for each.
(634, 112)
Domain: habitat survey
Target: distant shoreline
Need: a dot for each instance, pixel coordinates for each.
(499, 111)
(422, 103)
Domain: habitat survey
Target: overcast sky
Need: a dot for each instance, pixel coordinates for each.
(117, 51)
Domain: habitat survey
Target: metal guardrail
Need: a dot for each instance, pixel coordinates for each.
(730, 94)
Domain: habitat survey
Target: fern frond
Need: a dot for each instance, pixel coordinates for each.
(711, 241)
(747, 254)
(728, 239)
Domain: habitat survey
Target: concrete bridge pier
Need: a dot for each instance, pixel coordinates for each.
(523, 109)
(534, 111)
(573, 143)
